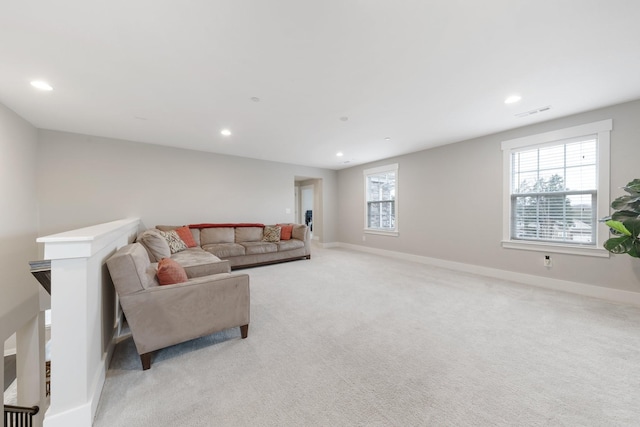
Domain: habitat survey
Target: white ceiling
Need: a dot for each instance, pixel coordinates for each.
(423, 73)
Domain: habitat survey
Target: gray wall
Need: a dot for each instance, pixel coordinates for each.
(450, 203)
(18, 210)
(85, 180)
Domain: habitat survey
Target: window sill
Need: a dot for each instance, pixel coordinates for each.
(556, 248)
(381, 232)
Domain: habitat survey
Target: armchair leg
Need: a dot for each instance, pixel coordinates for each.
(244, 331)
(146, 361)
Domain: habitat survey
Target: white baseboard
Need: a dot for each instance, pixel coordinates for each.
(601, 292)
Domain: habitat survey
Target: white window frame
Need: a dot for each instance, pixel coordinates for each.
(376, 171)
(602, 129)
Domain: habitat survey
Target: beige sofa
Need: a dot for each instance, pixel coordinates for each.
(223, 246)
(160, 316)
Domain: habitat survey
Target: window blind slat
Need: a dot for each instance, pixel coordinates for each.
(554, 191)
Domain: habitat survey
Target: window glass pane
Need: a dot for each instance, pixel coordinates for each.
(381, 215)
(581, 218)
(526, 161)
(381, 187)
(525, 182)
(552, 157)
(381, 204)
(581, 153)
(550, 181)
(581, 178)
(555, 169)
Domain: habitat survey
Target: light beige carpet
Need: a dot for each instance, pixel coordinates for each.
(353, 339)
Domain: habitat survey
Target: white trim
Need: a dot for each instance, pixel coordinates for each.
(601, 292)
(556, 248)
(557, 135)
(381, 232)
(602, 130)
(379, 169)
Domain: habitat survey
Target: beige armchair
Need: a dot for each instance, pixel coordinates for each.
(160, 316)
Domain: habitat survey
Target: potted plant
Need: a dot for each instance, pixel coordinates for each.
(625, 222)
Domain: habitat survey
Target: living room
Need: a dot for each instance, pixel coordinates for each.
(62, 171)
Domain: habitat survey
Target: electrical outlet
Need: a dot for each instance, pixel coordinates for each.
(547, 261)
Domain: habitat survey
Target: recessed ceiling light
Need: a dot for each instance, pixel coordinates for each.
(255, 99)
(344, 118)
(339, 154)
(225, 132)
(39, 84)
(388, 138)
(512, 99)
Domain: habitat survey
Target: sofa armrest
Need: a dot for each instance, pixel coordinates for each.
(302, 232)
(161, 316)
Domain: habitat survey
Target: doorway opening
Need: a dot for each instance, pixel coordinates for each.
(308, 202)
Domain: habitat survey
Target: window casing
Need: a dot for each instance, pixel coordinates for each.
(556, 186)
(381, 200)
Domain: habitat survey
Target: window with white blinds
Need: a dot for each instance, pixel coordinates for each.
(554, 192)
(381, 197)
(556, 186)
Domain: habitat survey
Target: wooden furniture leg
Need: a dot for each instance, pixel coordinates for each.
(244, 331)
(146, 361)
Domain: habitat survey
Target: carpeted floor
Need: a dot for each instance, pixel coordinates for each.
(354, 339)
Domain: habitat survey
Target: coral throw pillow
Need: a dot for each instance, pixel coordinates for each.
(285, 231)
(185, 234)
(170, 272)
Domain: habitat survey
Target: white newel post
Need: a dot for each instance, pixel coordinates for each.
(83, 321)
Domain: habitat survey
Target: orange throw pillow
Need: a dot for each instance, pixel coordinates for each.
(186, 236)
(285, 231)
(170, 272)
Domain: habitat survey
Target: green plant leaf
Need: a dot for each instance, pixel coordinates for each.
(624, 201)
(635, 249)
(619, 245)
(619, 227)
(624, 215)
(633, 187)
(633, 226)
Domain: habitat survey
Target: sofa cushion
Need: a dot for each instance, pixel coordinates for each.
(299, 231)
(130, 269)
(176, 244)
(285, 231)
(210, 236)
(170, 272)
(252, 248)
(289, 245)
(271, 234)
(155, 243)
(198, 262)
(248, 234)
(224, 250)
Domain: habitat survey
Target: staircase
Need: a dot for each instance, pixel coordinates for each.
(18, 416)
